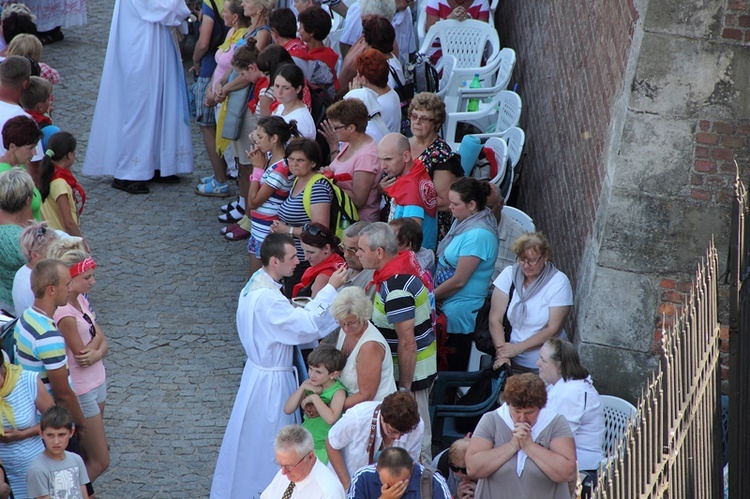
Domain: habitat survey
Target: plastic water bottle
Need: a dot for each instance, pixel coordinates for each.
(473, 104)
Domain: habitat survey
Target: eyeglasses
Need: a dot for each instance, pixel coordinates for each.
(456, 469)
(289, 467)
(92, 329)
(349, 324)
(420, 119)
(347, 249)
(390, 431)
(526, 261)
(338, 127)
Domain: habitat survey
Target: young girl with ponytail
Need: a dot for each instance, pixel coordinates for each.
(270, 182)
(62, 196)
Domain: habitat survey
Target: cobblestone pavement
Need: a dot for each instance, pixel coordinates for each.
(166, 292)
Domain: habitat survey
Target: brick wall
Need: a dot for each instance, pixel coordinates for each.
(674, 294)
(736, 21)
(572, 58)
(717, 145)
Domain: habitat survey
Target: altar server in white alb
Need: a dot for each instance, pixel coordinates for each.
(141, 125)
(269, 327)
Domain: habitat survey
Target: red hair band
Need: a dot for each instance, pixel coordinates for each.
(81, 267)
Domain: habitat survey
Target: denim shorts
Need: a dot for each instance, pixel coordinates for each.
(90, 400)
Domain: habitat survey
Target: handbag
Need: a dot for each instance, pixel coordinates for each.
(405, 93)
(482, 337)
(236, 105)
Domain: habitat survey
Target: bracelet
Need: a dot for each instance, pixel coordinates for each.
(291, 231)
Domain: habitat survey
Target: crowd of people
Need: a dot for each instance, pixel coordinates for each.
(366, 240)
(354, 302)
(53, 382)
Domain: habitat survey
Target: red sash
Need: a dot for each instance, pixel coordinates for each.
(40, 118)
(326, 267)
(68, 177)
(404, 263)
(415, 188)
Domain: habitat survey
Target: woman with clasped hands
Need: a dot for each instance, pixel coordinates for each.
(537, 298)
(522, 449)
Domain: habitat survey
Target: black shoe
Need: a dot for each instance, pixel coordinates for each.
(51, 36)
(169, 179)
(131, 186)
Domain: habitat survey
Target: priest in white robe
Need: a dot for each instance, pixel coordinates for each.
(269, 327)
(142, 123)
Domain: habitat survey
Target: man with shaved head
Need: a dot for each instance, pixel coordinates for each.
(409, 186)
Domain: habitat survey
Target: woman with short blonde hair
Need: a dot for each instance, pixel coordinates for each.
(368, 373)
(537, 298)
(16, 190)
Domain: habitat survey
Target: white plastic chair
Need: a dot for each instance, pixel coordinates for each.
(504, 110)
(617, 415)
(421, 22)
(500, 149)
(515, 138)
(446, 82)
(494, 78)
(526, 222)
(464, 40)
(493, 9)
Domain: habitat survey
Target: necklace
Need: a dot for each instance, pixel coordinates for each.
(39, 310)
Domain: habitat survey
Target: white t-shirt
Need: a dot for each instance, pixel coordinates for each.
(391, 112)
(557, 293)
(321, 483)
(23, 296)
(352, 25)
(305, 123)
(8, 111)
(579, 402)
(351, 434)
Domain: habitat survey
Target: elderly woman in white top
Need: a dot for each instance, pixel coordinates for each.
(571, 393)
(368, 373)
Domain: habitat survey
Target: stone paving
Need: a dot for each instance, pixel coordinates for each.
(166, 292)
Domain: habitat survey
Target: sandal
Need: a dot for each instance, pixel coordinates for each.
(233, 216)
(131, 186)
(213, 189)
(237, 233)
(226, 208)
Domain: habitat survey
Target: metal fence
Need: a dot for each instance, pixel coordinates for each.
(739, 345)
(673, 446)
